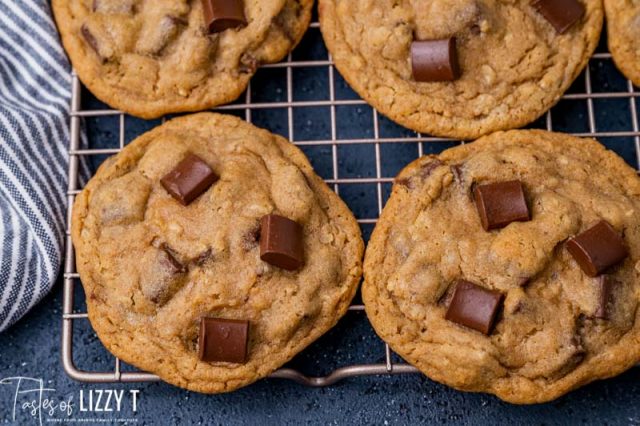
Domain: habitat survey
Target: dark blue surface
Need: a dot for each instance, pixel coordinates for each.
(32, 348)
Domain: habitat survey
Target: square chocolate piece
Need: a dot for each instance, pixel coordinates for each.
(501, 203)
(223, 340)
(474, 306)
(597, 248)
(561, 14)
(281, 242)
(191, 177)
(221, 15)
(435, 60)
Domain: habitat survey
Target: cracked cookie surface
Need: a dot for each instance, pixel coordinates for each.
(623, 31)
(151, 267)
(515, 66)
(153, 57)
(549, 337)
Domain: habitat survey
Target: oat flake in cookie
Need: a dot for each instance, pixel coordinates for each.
(511, 311)
(168, 244)
(495, 64)
(153, 57)
(623, 31)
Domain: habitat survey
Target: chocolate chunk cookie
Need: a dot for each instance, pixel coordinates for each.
(539, 304)
(623, 30)
(211, 253)
(461, 69)
(153, 57)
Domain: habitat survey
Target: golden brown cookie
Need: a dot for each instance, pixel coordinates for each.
(514, 63)
(153, 57)
(623, 31)
(172, 230)
(510, 311)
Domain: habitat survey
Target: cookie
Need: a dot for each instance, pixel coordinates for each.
(623, 31)
(536, 300)
(211, 253)
(150, 58)
(515, 59)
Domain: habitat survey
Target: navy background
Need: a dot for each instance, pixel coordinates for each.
(32, 347)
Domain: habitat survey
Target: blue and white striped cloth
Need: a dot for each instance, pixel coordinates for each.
(35, 90)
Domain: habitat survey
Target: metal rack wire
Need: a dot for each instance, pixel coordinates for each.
(589, 95)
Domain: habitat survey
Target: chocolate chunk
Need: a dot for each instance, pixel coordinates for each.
(403, 182)
(424, 172)
(562, 14)
(162, 275)
(524, 281)
(251, 237)
(474, 306)
(90, 39)
(456, 170)
(435, 60)
(605, 290)
(203, 257)
(427, 169)
(223, 340)
(281, 242)
(501, 203)
(189, 179)
(597, 248)
(177, 20)
(169, 260)
(220, 15)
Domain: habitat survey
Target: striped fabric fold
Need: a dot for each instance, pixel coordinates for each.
(35, 91)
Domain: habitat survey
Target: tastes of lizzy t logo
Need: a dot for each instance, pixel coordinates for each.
(30, 399)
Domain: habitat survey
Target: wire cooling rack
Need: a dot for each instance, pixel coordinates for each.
(354, 148)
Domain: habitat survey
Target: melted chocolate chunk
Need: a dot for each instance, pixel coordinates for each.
(403, 182)
(597, 248)
(474, 306)
(251, 238)
(90, 39)
(605, 285)
(177, 20)
(223, 340)
(456, 170)
(427, 169)
(203, 257)
(170, 261)
(162, 274)
(423, 173)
